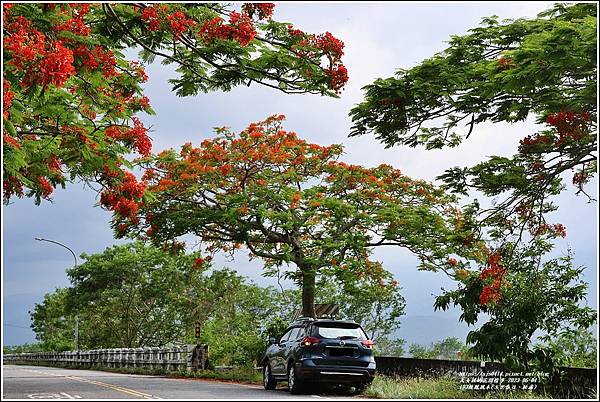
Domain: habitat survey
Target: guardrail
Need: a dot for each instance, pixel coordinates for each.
(176, 358)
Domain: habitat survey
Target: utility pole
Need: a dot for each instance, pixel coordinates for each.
(76, 329)
(76, 333)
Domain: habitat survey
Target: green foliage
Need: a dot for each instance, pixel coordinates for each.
(574, 348)
(374, 305)
(390, 347)
(445, 349)
(237, 327)
(53, 323)
(132, 294)
(23, 348)
(137, 295)
(537, 295)
(503, 71)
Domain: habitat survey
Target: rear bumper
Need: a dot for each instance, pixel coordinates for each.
(306, 369)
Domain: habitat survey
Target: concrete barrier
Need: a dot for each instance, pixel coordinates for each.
(176, 358)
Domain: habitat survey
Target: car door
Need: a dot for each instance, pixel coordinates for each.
(293, 342)
(277, 355)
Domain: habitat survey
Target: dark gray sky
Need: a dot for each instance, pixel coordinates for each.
(379, 38)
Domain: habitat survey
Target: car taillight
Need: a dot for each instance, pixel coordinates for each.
(310, 340)
(367, 343)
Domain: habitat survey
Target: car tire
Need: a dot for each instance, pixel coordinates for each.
(269, 382)
(295, 385)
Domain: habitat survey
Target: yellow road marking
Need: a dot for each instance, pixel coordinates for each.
(101, 384)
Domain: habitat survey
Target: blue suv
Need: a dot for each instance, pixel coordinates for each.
(319, 350)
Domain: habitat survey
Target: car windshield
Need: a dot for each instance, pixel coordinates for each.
(340, 331)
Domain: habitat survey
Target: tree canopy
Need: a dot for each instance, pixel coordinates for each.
(71, 98)
(502, 71)
(291, 202)
(506, 71)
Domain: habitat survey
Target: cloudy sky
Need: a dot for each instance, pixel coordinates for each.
(379, 38)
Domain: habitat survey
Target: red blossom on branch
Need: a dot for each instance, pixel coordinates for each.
(262, 10)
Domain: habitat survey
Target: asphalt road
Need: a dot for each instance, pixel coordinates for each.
(34, 382)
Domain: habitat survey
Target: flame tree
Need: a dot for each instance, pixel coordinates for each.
(71, 98)
(288, 201)
(506, 71)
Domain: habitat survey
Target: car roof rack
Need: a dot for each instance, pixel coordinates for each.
(325, 310)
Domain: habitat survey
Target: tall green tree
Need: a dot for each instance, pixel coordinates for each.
(290, 202)
(53, 323)
(131, 295)
(376, 304)
(578, 348)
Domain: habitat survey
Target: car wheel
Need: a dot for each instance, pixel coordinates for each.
(294, 384)
(269, 382)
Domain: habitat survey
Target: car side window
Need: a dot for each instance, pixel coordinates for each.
(286, 336)
(294, 334)
(301, 333)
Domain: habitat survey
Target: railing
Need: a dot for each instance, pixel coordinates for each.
(176, 358)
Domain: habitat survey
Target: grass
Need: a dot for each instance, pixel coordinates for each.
(434, 388)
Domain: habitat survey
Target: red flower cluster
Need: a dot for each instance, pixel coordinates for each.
(557, 229)
(77, 24)
(570, 125)
(139, 71)
(136, 135)
(97, 57)
(530, 142)
(7, 97)
(198, 262)
(56, 66)
(330, 45)
(262, 10)
(505, 63)
(179, 23)
(176, 22)
(8, 140)
(295, 33)
(240, 28)
(125, 197)
(327, 45)
(150, 15)
(12, 185)
(339, 77)
(46, 187)
(494, 272)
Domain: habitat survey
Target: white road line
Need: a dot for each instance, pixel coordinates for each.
(67, 395)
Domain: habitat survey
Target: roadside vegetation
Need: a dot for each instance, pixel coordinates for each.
(434, 388)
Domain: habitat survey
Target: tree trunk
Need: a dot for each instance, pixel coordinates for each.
(308, 293)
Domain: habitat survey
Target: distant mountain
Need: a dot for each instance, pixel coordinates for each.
(426, 329)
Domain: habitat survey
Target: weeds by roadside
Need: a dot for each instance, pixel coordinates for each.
(434, 388)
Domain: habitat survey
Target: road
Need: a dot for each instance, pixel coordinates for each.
(34, 382)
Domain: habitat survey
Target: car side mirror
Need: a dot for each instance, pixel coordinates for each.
(272, 340)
